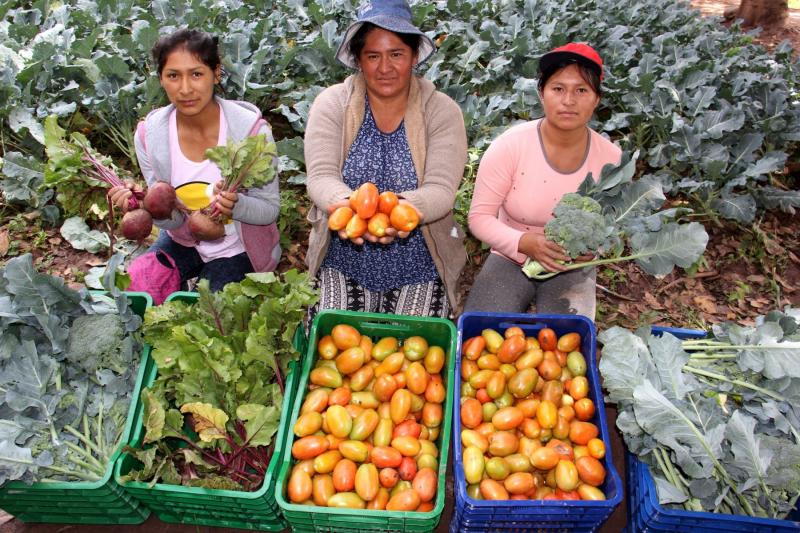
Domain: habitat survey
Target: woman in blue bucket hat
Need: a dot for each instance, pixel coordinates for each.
(386, 125)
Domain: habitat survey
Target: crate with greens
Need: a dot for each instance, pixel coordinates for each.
(715, 418)
(207, 439)
(69, 367)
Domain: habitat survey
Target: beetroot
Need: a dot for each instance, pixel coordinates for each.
(137, 225)
(205, 228)
(160, 200)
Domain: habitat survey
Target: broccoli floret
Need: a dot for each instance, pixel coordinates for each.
(99, 341)
(573, 200)
(578, 225)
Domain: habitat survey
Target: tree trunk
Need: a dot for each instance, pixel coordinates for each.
(764, 13)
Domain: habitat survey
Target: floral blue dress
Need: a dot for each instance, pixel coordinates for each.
(385, 160)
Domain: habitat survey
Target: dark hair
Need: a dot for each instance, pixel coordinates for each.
(589, 75)
(359, 40)
(196, 42)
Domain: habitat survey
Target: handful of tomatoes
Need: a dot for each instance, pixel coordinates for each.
(372, 212)
(526, 417)
(368, 425)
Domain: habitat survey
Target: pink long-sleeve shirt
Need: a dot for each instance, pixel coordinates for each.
(516, 188)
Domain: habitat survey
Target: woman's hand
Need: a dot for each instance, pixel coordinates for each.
(120, 194)
(224, 200)
(537, 247)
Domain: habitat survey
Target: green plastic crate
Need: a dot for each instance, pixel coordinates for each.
(436, 331)
(85, 502)
(256, 510)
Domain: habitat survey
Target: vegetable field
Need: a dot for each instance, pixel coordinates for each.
(708, 120)
(713, 115)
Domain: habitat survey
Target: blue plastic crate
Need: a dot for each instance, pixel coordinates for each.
(646, 514)
(535, 515)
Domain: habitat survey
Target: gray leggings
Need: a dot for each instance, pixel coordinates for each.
(502, 287)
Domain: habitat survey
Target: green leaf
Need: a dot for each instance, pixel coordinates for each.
(261, 422)
(696, 449)
(675, 245)
(80, 237)
(247, 164)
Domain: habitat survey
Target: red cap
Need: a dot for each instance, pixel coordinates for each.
(580, 52)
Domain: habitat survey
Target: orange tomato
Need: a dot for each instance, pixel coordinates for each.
(344, 475)
(425, 484)
(417, 378)
(378, 224)
(597, 448)
(345, 336)
(338, 220)
(322, 489)
(387, 201)
(404, 217)
(511, 349)
(385, 457)
(356, 227)
(366, 200)
(492, 490)
(512, 331)
(569, 342)
(326, 348)
(471, 413)
(472, 348)
(582, 432)
(300, 486)
(388, 477)
(584, 409)
(547, 339)
(590, 470)
(309, 447)
(404, 500)
(544, 458)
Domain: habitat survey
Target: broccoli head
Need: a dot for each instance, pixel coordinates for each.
(578, 225)
(99, 341)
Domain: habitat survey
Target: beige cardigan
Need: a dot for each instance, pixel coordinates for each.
(438, 143)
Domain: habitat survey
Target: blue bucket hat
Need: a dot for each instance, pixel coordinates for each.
(392, 15)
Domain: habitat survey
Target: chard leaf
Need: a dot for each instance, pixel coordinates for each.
(261, 422)
(158, 422)
(208, 421)
(249, 163)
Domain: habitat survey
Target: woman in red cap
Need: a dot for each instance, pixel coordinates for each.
(524, 174)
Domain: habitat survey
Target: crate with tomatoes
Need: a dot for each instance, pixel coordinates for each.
(531, 440)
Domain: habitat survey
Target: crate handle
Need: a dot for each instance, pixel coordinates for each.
(533, 324)
(385, 326)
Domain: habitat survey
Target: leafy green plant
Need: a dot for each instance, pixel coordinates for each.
(614, 213)
(715, 418)
(212, 412)
(68, 363)
(80, 175)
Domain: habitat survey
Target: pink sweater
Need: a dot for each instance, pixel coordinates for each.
(517, 189)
